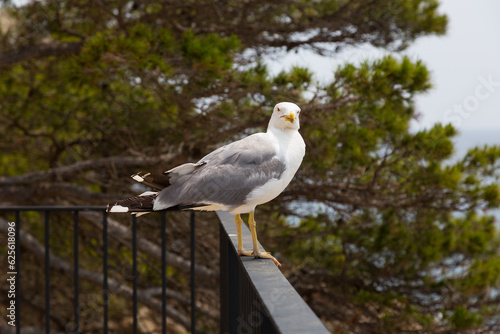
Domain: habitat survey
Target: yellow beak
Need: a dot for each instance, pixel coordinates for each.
(290, 117)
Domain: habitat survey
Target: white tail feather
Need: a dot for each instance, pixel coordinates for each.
(147, 193)
(118, 208)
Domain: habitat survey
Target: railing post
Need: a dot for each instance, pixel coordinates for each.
(163, 274)
(223, 280)
(47, 273)
(76, 278)
(193, 282)
(105, 269)
(134, 273)
(229, 286)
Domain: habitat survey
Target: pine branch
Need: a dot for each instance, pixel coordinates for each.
(51, 48)
(65, 171)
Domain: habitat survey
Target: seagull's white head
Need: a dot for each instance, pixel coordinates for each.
(285, 116)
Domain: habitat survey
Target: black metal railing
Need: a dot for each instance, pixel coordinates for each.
(254, 296)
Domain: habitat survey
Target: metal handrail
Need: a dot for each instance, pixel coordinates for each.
(255, 296)
(76, 209)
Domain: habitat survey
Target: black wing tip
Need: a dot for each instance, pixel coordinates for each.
(133, 204)
(155, 181)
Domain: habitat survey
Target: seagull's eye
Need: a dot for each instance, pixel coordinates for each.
(278, 109)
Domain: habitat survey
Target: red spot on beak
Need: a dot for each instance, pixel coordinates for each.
(289, 118)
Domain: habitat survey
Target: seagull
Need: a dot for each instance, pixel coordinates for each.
(234, 178)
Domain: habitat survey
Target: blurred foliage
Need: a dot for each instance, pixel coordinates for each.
(394, 233)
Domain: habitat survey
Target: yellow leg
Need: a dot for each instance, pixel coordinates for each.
(241, 250)
(256, 252)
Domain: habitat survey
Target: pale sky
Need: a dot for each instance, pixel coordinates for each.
(460, 62)
(464, 65)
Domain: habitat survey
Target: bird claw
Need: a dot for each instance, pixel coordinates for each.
(266, 255)
(259, 255)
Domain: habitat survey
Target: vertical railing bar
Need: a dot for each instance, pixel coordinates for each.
(105, 269)
(47, 273)
(134, 271)
(223, 281)
(233, 287)
(163, 273)
(18, 273)
(193, 288)
(76, 277)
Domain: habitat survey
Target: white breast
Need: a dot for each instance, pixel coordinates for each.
(291, 149)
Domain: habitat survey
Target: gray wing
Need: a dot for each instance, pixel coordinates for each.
(225, 176)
